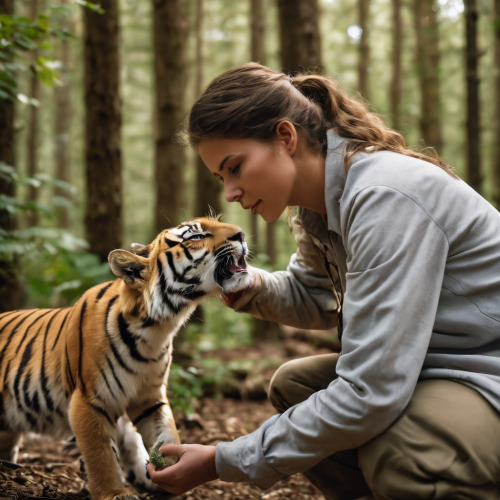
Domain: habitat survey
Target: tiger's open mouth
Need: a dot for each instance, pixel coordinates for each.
(237, 265)
(229, 266)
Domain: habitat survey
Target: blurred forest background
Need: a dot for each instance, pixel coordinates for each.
(91, 96)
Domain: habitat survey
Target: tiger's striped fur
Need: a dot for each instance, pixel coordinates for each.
(78, 369)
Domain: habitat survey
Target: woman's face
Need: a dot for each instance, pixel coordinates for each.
(258, 175)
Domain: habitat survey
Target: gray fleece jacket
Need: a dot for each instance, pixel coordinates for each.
(416, 255)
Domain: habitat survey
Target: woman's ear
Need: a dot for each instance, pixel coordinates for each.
(129, 267)
(286, 132)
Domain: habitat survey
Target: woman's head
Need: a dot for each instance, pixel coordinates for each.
(251, 102)
(248, 102)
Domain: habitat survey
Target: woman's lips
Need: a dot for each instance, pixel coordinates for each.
(254, 208)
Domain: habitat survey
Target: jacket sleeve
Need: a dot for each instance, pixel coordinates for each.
(396, 258)
(302, 296)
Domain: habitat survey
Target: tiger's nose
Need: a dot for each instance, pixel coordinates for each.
(238, 237)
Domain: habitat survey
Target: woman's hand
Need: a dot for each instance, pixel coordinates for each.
(196, 466)
(230, 299)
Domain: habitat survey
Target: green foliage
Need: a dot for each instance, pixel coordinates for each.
(25, 241)
(56, 268)
(221, 329)
(92, 6)
(60, 279)
(186, 386)
(20, 35)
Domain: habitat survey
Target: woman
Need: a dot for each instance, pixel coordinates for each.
(399, 252)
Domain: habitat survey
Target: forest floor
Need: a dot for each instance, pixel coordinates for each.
(51, 469)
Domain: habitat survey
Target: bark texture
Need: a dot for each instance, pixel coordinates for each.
(364, 48)
(496, 133)
(32, 137)
(170, 33)
(11, 292)
(257, 31)
(257, 54)
(299, 35)
(427, 55)
(61, 132)
(397, 33)
(208, 187)
(103, 217)
(474, 175)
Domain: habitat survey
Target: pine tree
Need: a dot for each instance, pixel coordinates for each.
(32, 138)
(208, 187)
(170, 33)
(364, 48)
(496, 133)
(474, 176)
(10, 285)
(395, 95)
(300, 39)
(103, 217)
(61, 131)
(427, 56)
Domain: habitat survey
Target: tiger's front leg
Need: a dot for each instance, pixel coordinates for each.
(94, 430)
(155, 423)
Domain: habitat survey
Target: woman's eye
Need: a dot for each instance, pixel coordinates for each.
(221, 180)
(198, 237)
(235, 169)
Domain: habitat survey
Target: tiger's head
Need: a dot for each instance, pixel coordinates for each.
(184, 264)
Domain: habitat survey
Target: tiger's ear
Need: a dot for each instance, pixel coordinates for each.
(129, 267)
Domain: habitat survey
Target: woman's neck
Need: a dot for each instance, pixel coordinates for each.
(309, 187)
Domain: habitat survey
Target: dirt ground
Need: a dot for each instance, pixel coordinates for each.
(53, 469)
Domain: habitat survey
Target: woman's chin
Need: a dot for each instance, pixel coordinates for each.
(271, 216)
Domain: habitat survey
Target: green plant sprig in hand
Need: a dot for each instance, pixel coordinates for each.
(156, 458)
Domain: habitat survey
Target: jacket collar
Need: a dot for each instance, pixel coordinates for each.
(335, 178)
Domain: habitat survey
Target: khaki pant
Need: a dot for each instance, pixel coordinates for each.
(446, 443)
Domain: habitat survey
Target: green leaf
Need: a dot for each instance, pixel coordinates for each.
(68, 285)
(5, 96)
(27, 181)
(66, 186)
(61, 201)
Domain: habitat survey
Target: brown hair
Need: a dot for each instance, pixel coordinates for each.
(249, 101)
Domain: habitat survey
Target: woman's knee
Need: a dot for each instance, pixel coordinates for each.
(281, 393)
(390, 474)
(296, 380)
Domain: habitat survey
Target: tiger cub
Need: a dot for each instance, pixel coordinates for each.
(77, 370)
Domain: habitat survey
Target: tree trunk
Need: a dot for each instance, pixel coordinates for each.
(496, 133)
(208, 187)
(32, 138)
(299, 34)
(428, 71)
(11, 292)
(257, 32)
(364, 48)
(103, 217)
(170, 33)
(62, 121)
(474, 176)
(397, 33)
(258, 54)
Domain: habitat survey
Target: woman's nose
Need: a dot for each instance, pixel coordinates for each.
(232, 193)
